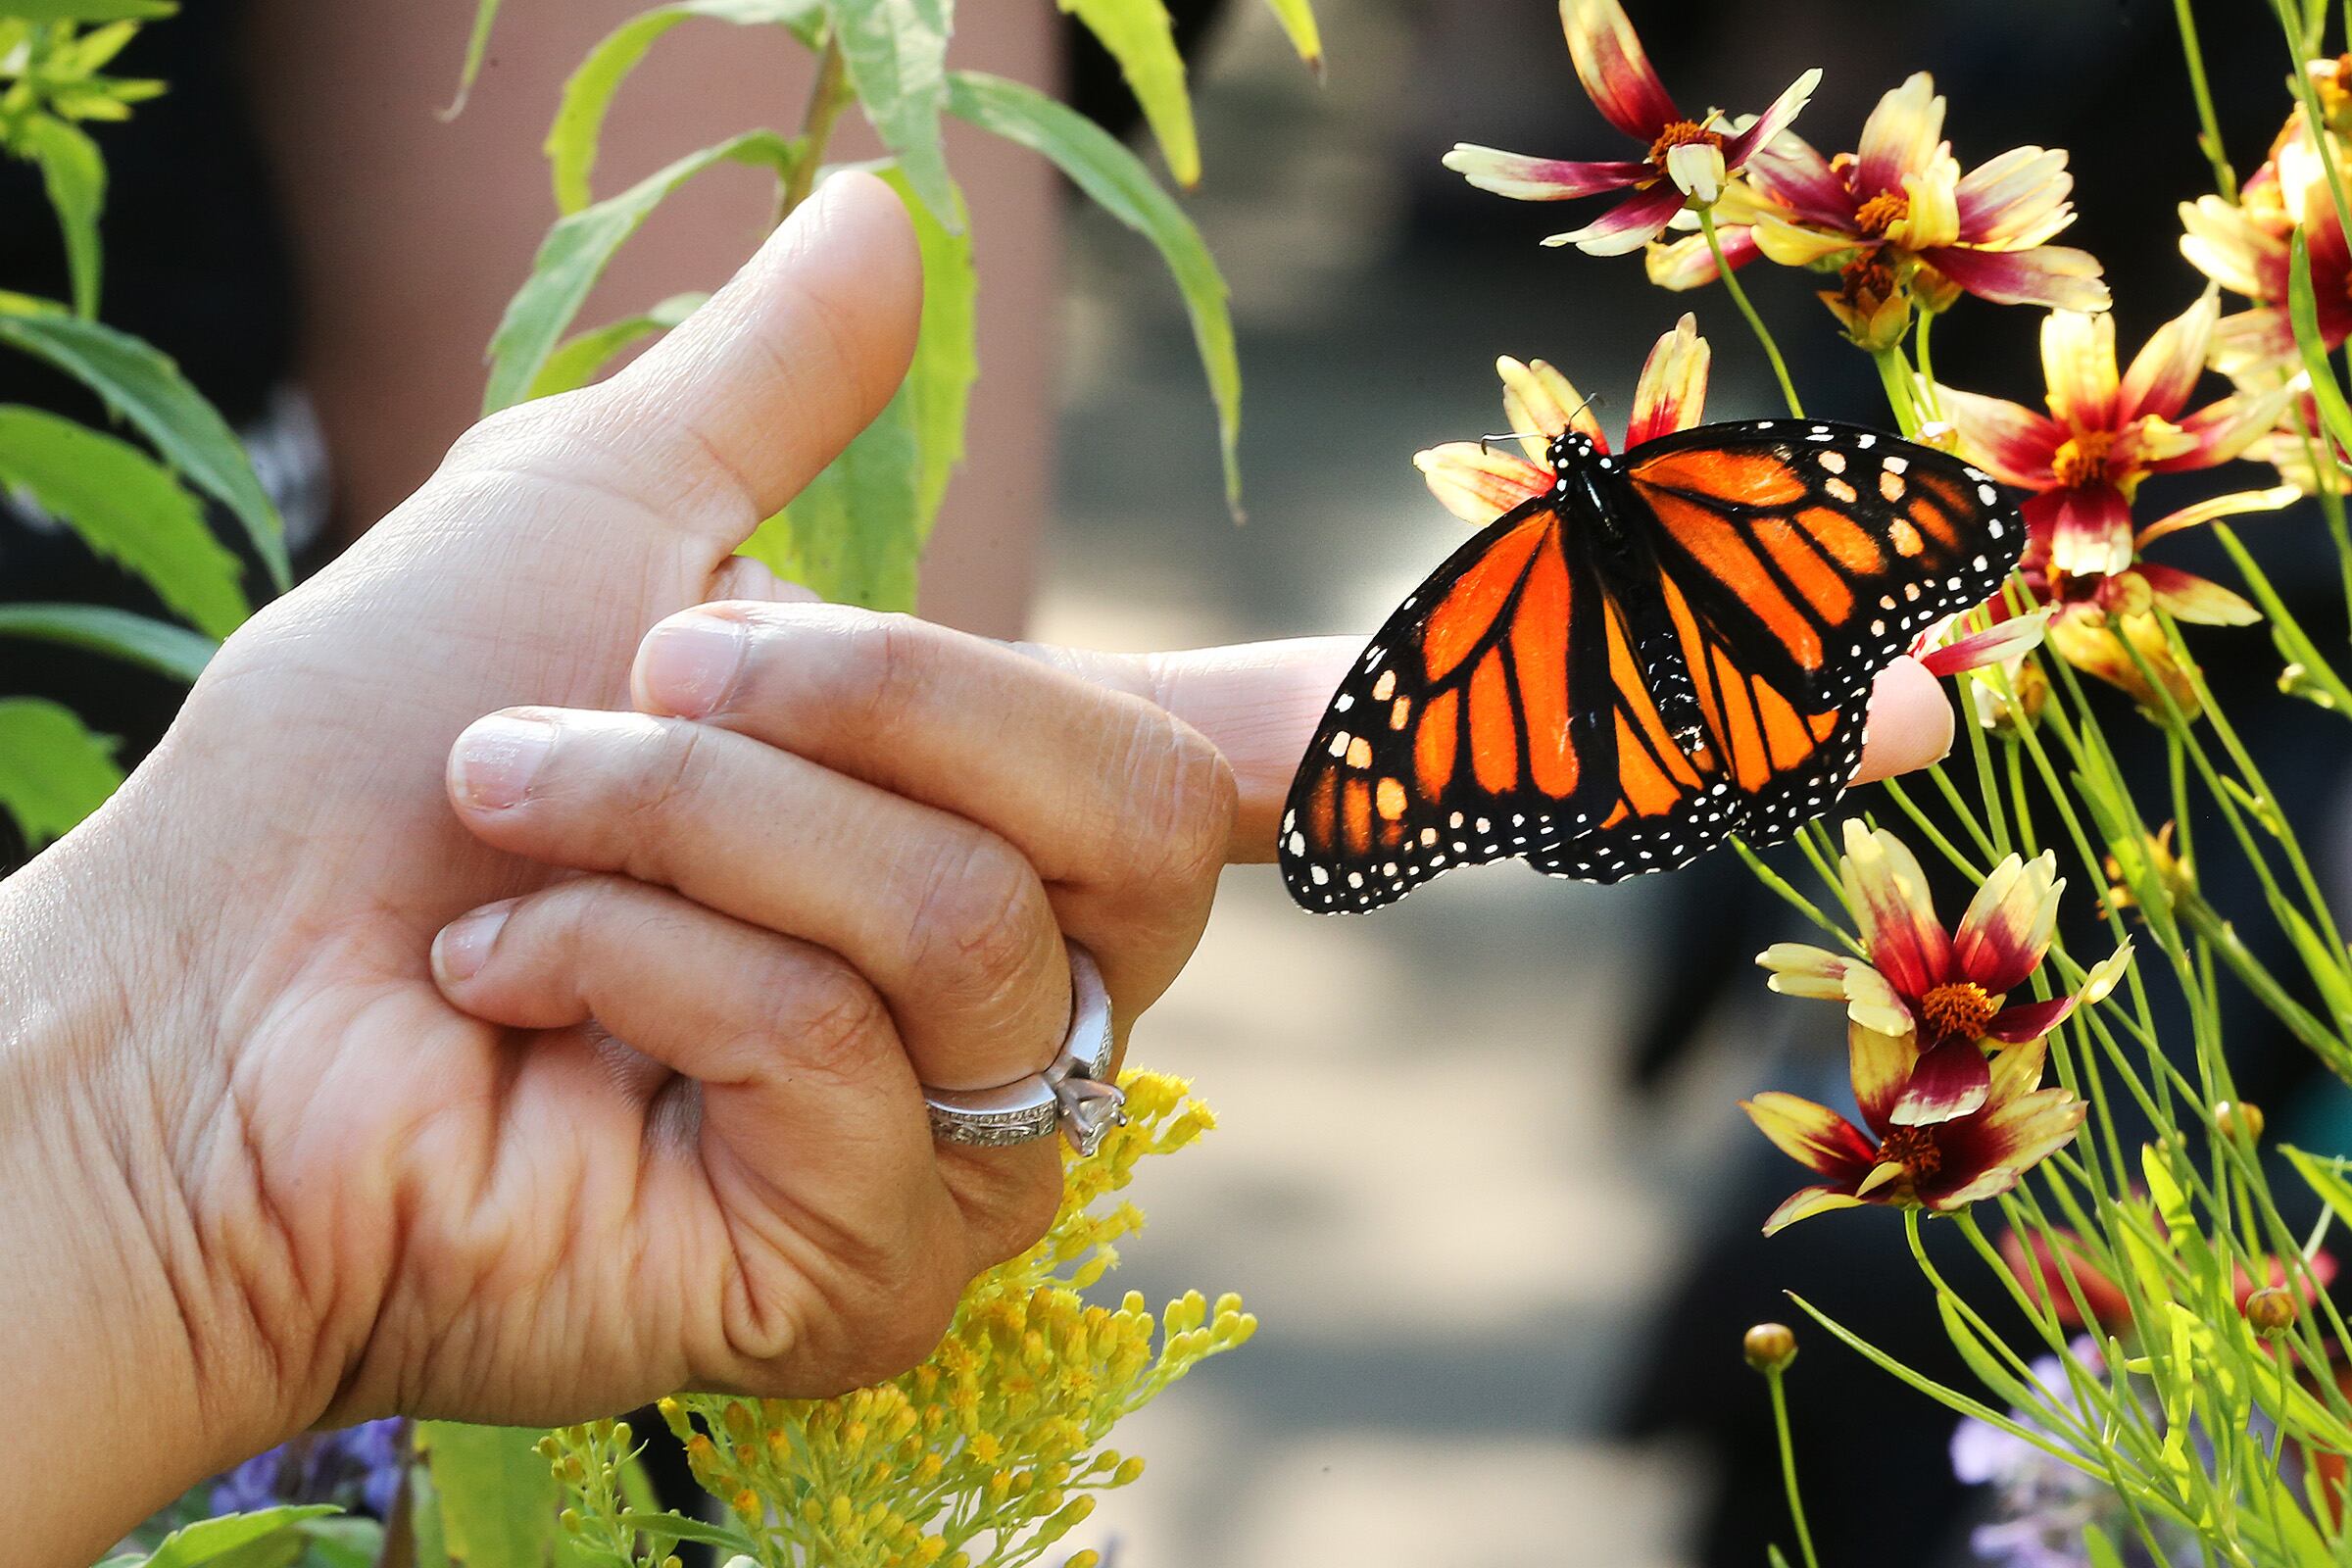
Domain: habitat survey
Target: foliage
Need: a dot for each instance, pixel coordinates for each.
(138, 509)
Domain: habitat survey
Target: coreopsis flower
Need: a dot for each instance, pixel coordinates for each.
(2247, 246)
(2105, 433)
(1939, 1165)
(1684, 162)
(2309, 459)
(1479, 484)
(1946, 994)
(1900, 222)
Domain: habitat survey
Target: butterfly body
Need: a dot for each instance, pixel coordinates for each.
(1664, 648)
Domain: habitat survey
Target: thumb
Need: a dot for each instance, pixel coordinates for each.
(1258, 703)
(723, 420)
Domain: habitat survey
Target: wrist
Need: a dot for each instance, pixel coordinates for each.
(116, 1317)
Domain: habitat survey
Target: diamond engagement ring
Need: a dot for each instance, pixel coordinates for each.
(1074, 1095)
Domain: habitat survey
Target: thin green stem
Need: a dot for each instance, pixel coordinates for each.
(1796, 1504)
(828, 96)
(1756, 322)
(1902, 400)
(2208, 137)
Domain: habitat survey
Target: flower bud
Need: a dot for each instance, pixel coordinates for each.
(2241, 1120)
(2271, 1310)
(1769, 1346)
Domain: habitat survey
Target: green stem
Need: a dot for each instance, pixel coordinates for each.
(2209, 138)
(1756, 322)
(1894, 372)
(1797, 1505)
(828, 96)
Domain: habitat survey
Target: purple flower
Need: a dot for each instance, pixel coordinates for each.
(359, 1467)
(2041, 1505)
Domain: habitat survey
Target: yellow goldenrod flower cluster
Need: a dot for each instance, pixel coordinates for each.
(992, 1451)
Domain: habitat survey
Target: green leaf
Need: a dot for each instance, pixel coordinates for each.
(581, 357)
(477, 49)
(2324, 963)
(856, 533)
(432, 1548)
(1982, 1361)
(896, 54)
(2303, 309)
(127, 507)
(575, 253)
(156, 645)
(147, 389)
(571, 141)
(499, 1501)
(215, 1539)
(342, 1543)
(2323, 1177)
(87, 10)
(1298, 18)
(680, 1527)
(53, 773)
(1138, 35)
(1118, 182)
(2099, 1548)
(74, 175)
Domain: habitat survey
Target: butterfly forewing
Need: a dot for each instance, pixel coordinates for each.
(1472, 728)
(1604, 712)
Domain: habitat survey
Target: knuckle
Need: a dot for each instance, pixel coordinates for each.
(976, 914)
(884, 668)
(663, 764)
(1184, 804)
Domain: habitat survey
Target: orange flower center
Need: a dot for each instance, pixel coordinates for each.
(1958, 1010)
(1680, 134)
(2082, 460)
(1881, 211)
(1914, 1149)
(1866, 284)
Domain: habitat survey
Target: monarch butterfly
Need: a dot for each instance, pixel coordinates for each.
(1662, 649)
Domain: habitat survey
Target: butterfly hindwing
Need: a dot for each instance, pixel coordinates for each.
(1471, 729)
(1821, 551)
(1667, 649)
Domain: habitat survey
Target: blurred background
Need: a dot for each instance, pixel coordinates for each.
(1479, 1171)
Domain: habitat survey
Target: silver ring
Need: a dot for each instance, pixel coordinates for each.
(1075, 1096)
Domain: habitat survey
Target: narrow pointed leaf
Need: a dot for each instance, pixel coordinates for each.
(156, 645)
(1298, 18)
(213, 1541)
(74, 176)
(477, 49)
(90, 10)
(571, 141)
(125, 507)
(2303, 309)
(1139, 36)
(1117, 181)
(575, 251)
(148, 391)
(856, 532)
(895, 55)
(581, 358)
(53, 773)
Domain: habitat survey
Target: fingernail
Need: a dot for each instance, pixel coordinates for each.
(496, 757)
(463, 945)
(687, 664)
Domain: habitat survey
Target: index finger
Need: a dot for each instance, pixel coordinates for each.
(1259, 702)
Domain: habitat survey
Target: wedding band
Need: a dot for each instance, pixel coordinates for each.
(1075, 1096)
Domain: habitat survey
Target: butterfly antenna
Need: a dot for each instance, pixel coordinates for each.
(1593, 402)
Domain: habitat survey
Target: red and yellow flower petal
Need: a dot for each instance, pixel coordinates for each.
(1814, 1136)
(2002, 936)
(1932, 215)
(2088, 642)
(1889, 895)
(2056, 276)
(1627, 227)
(2185, 595)
(1942, 1198)
(1787, 171)
(1767, 126)
(2253, 343)
(2031, 1020)
(2078, 366)
(1898, 138)
(1999, 643)
(1879, 1063)
(1478, 483)
(2223, 242)
(1688, 262)
(2167, 366)
(1672, 393)
(2234, 504)
(1800, 969)
(2015, 1136)
(2088, 529)
(1696, 170)
(1541, 403)
(1527, 179)
(2017, 1070)
(2222, 429)
(2016, 201)
(2009, 440)
(1790, 243)
(1806, 1202)
(1616, 72)
(1949, 1081)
